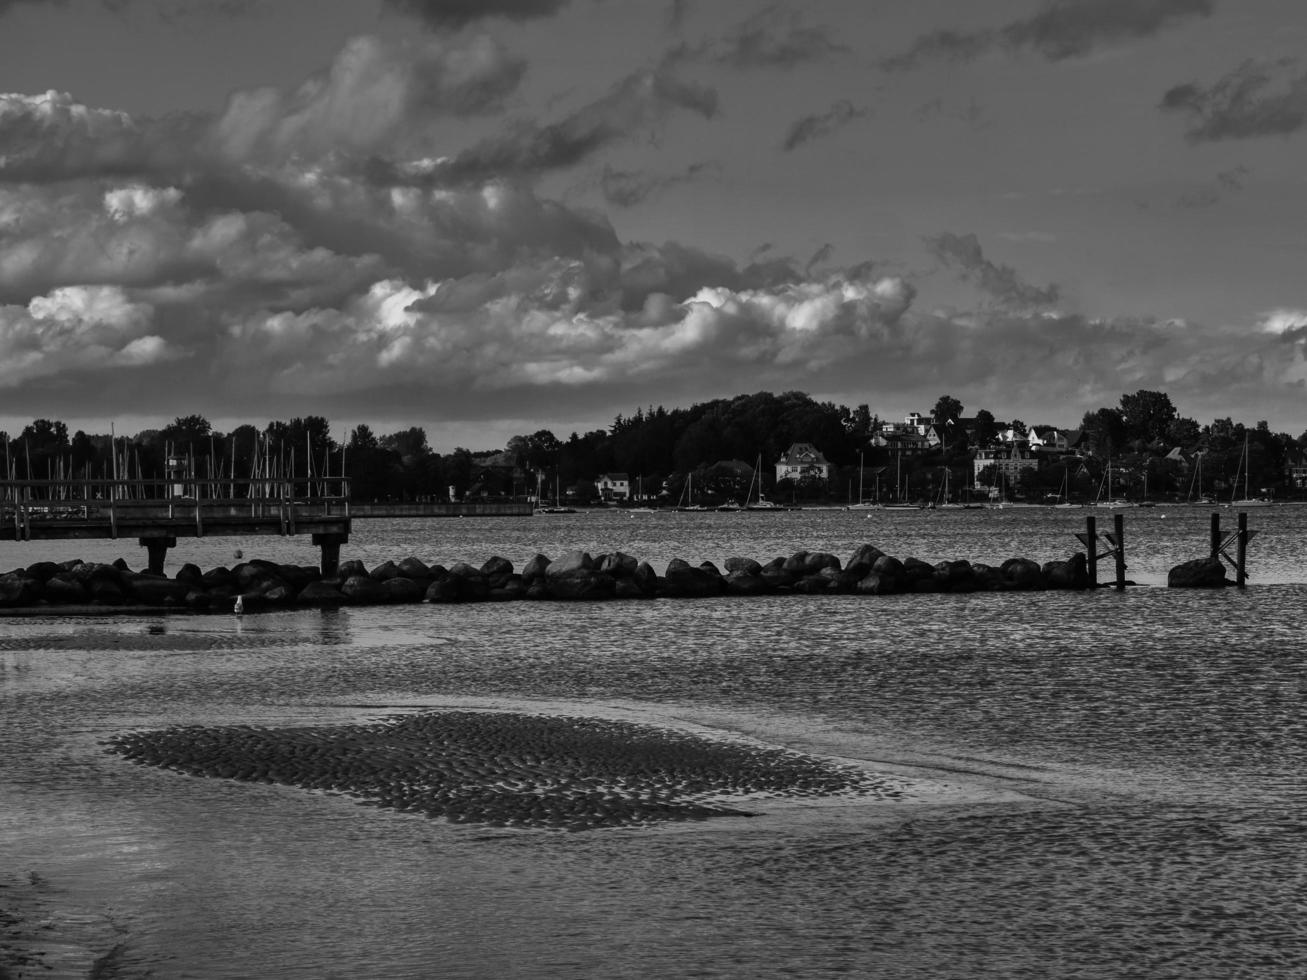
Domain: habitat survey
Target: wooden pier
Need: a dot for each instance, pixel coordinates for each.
(157, 512)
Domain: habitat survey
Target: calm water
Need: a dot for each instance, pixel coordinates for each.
(1109, 785)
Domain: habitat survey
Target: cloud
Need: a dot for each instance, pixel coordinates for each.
(444, 15)
(627, 188)
(376, 97)
(643, 99)
(963, 254)
(772, 38)
(1224, 184)
(820, 125)
(1061, 29)
(1243, 104)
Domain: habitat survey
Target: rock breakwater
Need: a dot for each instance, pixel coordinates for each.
(579, 575)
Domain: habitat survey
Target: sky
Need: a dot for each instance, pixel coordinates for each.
(489, 217)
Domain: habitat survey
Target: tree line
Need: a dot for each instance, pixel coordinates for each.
(715, 445)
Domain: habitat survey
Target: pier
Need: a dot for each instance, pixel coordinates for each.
(159, 511)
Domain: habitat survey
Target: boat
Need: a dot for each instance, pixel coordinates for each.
(558, 508)
(1105, 499)
(687, 496)
(1245, 501)
(944, 502)
(762, 503)
(1063, 500)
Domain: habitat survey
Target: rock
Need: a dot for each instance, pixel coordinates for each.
(745, 565)
(158, 591)
(443, 590)
(497, 568)
(743, 582)
(400, 589)
(105, 591)
(629, 588)
(512, 589)
(914, 570)
(954, 576)
(571, 562)
(217, 577)
(684, 581)
(803, 563)
(866, 555)
(646, 578)
(580, 583)
(987, 578)
(875, 583)
(63, 588)
(1022, 573)
(384, 572)
(535, 569)
(1200, 573)
(320, 594)
(363, 590)
(618, 564)
(1071, 574)
(43, 571)
(888, 565)
(190, 574)
(350, 568)
(198, 599)
(19, 589)
(414, 568)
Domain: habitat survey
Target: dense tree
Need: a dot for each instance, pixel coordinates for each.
(1146, 415)
(947, 409)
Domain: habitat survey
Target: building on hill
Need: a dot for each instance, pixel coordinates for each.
(1009, 462)
(613, 487)
(802, 461)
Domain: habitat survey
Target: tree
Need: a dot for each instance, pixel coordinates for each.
(1147, 414)
(986, 428)
(947, 409)
(1104, 431)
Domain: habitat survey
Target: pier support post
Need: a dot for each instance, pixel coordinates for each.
(156, 549)
(1241, 552)
(1119, 528)
(330, 545)
(1091, 540)
(1216, 535)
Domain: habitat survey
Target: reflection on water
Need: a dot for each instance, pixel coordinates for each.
(1140, 757)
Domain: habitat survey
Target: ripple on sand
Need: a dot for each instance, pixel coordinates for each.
(510, 769)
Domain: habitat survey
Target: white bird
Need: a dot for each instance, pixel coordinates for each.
(240, 605)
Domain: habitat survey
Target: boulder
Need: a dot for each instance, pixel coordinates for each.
(580, 583)
(320, 594)
(349, 568)
(513, 588)
(63, 588)
(747, 583)
(400, 589)
(876, 583)
(1200, 573)
(414, 568)
(106, 591)
(645, 578)
(363, 590)
(617, 564)
(914, 570)
(1022, 573)
(444, 590)
(954, 576)
(535, 569)
(684, 581)
(573, 561)
(866, 555)
(496, 567)
(43, 571)
(987, 578)
(217, 577)
(803, 563)
(888, 565)
(157, 590)
(384, 572)
(1070, 574)
(745, 565)
(19, 589)
(190, 574)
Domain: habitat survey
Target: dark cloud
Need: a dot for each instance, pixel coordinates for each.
(452, 14)
(643, 99)
(627, 188)
(773, 38)
(677, 11)
(963, 254)
(821, 124)
(818, 257)
(1061, 29)
(1256, 99)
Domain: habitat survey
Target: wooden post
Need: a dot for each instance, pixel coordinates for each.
(156, 549)
(330, 545)
(1091, 536)
(1216, 535)
(1120, 552)
(1241, 552)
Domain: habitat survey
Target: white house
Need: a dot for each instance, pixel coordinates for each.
(1008, 461)
(802, 460)
(613, 486)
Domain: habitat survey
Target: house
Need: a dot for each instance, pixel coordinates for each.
(1295, 469)
(613, 486)
(916, 434)
(802, 461)
(1009, 462)
(1049, 441)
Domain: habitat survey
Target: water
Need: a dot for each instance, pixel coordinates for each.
(1102, 785)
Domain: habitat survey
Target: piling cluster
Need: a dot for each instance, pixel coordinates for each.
(508, 769)
(576, 576)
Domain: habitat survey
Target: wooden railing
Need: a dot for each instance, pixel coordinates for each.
(111, 502)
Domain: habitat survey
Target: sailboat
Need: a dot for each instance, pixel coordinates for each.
(1105, 498)
(558, 508)
(862, 503)
(1063, 496)
(1245, 501)
(944, 502)
(687, 496)
(761, 503)
(1196, 498)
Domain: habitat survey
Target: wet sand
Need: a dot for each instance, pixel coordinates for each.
(510, 769)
